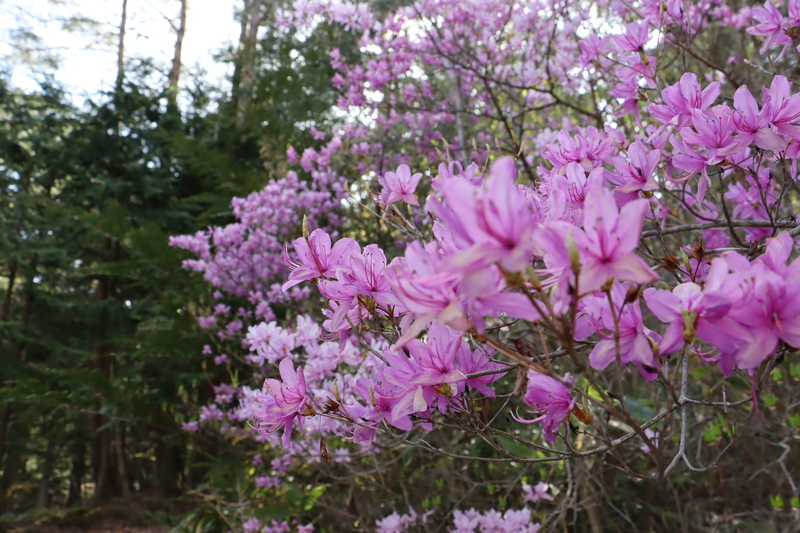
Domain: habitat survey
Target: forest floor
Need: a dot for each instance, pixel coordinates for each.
(140, 515)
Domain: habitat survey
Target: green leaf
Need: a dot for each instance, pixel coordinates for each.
(638, 409)
(312, 496)
(712, 432)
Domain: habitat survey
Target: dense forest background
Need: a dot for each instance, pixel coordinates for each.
(101, 357)
(100, 350)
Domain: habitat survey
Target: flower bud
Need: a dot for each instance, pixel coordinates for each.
(574, 256)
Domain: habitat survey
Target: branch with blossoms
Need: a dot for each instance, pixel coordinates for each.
(555, 305)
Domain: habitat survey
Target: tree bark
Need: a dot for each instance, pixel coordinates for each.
(5, 314)
(5, 311)
(104, 473)
(168, 468)
(247, 56)
(27, 307)
(121, 45)
(44, 484)
(175, 71)
(122, 467)
(77, 472)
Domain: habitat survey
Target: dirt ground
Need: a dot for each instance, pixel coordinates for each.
(135, 516)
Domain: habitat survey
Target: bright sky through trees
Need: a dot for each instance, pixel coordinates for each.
(87, 55)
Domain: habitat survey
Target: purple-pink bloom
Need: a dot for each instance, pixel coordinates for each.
(284, 401)
(772, 25)
(492, 224)
(317, 258)
(637, 173)
(637, 344)
(475, 361)
(400, 185)
(634, 38)
(536, 493)
(753, 124)
(682, 98)
(251, 525)
(689, 313)
(552, 398)
(607, 242)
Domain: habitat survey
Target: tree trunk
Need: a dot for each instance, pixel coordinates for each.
(77, 472)
(175, 71)
(5, 314)
(5, 311)
(104, 473)
(13, 468)
(44, 484)
(237, 60)
(5, 411)
(168, 468)
(247, 57)
(121, 46)
(122, 468)
(30, 287)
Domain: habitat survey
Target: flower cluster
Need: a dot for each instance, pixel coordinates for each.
(658, 227)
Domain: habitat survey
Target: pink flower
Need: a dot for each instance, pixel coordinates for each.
(634, 38)
(400, 185)
(689, 313)
(785, 107)
(637, 344)
(638, 172)
(753, 124)
(773, 26)
(284, 401)
(410, 278)
(707, 143)
(475, 361)
(251, 525)
(537, 493)
(317, 257)
(683, 97)
(368, 274)
(490, 224)
(552, 398)
(766, 304)
(607, 242)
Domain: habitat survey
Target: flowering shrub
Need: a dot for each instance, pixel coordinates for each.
(596, 216)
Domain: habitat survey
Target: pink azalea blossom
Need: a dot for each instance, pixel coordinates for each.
(550, 397)
(400, 185)
(638, 172)
(284, 400)
(606, 245)
(537, 492)
(317, 258)
(493, 224)
(772, 25)
(682, 98)
(754, 124)
(637, 344)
